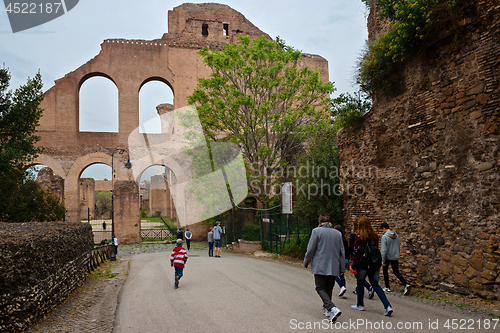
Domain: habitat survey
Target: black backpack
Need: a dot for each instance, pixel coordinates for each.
(371, 259)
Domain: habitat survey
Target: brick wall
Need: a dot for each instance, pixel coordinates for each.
(41, 265)
(433, 152)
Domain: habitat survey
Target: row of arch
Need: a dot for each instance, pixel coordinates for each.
(98, 108)
(72, 177)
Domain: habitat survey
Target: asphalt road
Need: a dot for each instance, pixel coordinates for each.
(236, 293)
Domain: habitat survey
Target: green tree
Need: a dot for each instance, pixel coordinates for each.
(348, 109)
(260, 98)
(21, 197)
(103, 202)
(317, 179)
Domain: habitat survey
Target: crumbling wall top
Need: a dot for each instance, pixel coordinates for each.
(210, 22)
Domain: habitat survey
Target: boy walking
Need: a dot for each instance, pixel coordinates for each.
(389, 248)
(178, 260)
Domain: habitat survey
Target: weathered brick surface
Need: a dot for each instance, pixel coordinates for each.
(435, 148)
(41, 265)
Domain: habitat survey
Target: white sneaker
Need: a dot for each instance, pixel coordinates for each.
(334, 314)
(356, 307)
(386, 290)
(342, 291)
(407, 290)
(388, 311)
(344, 296)
(326, 312)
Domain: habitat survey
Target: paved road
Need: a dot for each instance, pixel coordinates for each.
(242, 294)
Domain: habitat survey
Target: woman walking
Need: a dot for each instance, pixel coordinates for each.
(367, 235)
(352, 237)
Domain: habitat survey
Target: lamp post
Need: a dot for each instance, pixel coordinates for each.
(128, 165)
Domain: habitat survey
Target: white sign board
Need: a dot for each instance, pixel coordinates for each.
(286, 198)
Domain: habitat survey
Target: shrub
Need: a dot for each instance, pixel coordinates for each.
(251, 232)
(411, 23)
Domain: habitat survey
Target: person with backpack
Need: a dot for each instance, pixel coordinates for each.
(367, 261)
(351, 251)
(389, 248)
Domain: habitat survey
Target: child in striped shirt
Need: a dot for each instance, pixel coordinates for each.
(177, 260)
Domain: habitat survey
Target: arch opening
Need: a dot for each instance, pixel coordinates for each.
(156, 97)
(98, 104)
(154, 191)
(95, 188)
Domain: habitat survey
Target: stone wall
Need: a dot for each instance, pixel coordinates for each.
(127, 212)
(87, 198)
(426, 160)
(51, 182)
(41, 265)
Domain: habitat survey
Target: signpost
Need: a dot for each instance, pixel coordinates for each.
(286, 198)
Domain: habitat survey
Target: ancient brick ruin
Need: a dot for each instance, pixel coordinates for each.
(434, 147)
(130, 64)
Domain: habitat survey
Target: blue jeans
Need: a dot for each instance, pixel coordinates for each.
(395, 268)
(210, 249)
(178, 272)
(367, 285)
(373, 277)
(340, 280)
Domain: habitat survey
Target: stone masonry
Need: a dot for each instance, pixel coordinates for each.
(432, 150)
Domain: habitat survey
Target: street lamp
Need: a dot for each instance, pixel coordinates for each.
(128, 165)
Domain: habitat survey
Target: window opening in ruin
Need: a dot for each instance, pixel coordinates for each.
(95, 190)
(33, 170)
(153, 98)
(204, 30)
(98, 171)
(225, 29)
(154, 189)
(98, 105)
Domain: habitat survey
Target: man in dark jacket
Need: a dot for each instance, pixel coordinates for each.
(326, 250)
(389, 248)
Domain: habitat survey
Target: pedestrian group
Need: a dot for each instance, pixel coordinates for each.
(329, 252)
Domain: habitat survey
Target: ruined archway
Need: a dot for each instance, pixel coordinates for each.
(129, 64)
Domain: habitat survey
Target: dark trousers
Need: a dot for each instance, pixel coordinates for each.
(324, 288)
(210, 249)
(188, 243)
(395, 269)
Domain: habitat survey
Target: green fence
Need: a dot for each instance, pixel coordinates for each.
(279, 230)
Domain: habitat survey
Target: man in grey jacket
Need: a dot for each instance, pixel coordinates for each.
(389, 248)
(326, 250)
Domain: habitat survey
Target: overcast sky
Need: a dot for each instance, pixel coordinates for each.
(334, 29)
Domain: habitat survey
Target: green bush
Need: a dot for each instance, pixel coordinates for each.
(251, 232)
(144, 214)
(297, 248)
(412, 22)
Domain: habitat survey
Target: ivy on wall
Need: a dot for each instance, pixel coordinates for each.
(412, 24)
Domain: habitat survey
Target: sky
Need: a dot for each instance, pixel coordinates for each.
(334, 29)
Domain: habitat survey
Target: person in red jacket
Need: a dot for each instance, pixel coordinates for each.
(178, 260)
